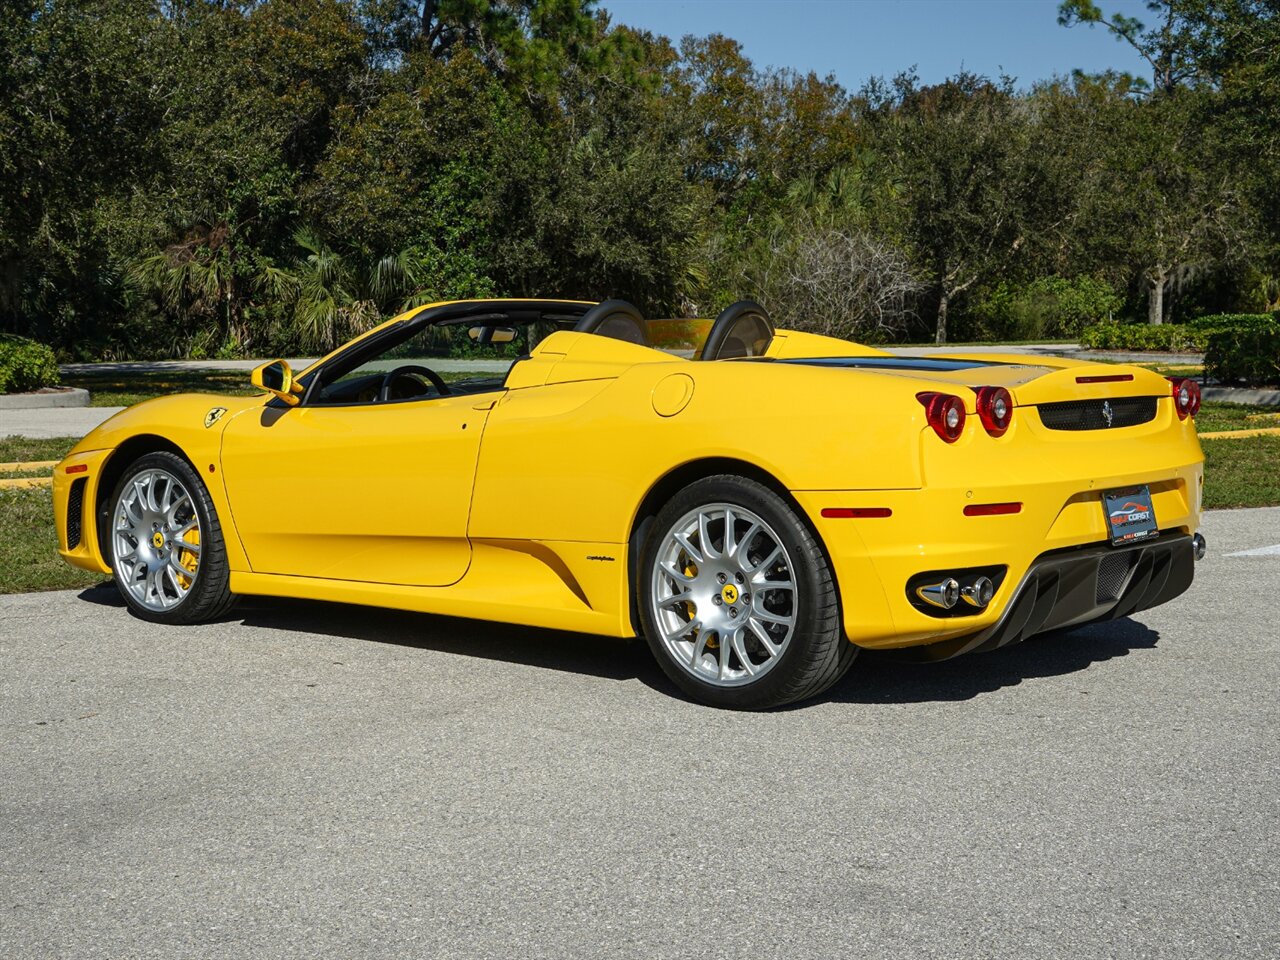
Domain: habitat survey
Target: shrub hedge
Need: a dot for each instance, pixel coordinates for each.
(1191, 337)
(1172, 337)
(1247, 354)
(25, 365)
(1224, 321)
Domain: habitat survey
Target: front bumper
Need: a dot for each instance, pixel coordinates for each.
(75, 520)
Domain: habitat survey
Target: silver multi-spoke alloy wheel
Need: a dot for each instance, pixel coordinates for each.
(156, 536)
(723, 595)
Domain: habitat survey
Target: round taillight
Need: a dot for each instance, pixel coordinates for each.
(945, 414)
(995, 409)
(1186, 396)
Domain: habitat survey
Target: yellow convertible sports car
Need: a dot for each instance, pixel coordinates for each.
(759, 514)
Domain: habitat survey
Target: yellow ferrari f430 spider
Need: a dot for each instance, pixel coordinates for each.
(759, 514)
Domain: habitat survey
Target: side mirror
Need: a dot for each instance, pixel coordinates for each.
(276, 377)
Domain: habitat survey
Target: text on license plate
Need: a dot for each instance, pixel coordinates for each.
(1130, 515)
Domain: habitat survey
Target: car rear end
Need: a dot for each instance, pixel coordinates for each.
(1050, 496)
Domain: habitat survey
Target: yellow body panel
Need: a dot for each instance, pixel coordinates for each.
(377, 493)
(520, 505)
(177, 421)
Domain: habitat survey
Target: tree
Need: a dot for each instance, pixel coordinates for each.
(207, 278)
(1186, 205)
(1165, 47)
(339, 296)
(1183, 207)
(594, 202)
(839, 281)
(77, 118)
(959, 155)
(157, 160)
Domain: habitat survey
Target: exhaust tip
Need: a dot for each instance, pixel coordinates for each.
(945, 594)
(979, 593)
(1198, 546)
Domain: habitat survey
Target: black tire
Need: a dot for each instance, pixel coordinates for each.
(817, 653)
(209, 596)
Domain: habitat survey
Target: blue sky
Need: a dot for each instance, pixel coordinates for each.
(857, 39)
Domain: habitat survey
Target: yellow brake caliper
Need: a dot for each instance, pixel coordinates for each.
(187, 558)
(691, 569)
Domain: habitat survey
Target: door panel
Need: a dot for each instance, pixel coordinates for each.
(378, 493)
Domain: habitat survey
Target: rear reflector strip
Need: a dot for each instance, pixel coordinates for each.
(849, 513)
(78, 468)
(991, 509)
(1109, 378)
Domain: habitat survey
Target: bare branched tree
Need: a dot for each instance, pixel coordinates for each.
(838, 281)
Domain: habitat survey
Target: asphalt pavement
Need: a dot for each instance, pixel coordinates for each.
(311, 780)
(53, 421)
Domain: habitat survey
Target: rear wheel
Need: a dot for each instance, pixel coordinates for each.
(738, 601)
(166, 545)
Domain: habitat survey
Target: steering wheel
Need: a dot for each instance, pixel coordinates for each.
(384, 392)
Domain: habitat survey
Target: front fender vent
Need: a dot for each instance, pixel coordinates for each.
(1098, 414)
(75, 513)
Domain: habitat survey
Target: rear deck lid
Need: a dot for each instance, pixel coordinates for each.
(1031, 380)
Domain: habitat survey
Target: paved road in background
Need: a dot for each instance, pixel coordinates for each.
(308, 780)
(53, 421)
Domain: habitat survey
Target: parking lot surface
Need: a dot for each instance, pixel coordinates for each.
(307, 780)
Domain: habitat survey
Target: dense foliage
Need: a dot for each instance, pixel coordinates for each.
(1248, 355)
(203, 177)
(1192, 337)
(1173, 338)
(25, 365)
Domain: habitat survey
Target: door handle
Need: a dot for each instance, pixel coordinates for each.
(486, 405)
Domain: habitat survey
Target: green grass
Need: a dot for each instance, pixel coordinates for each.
(28, 546)
(29, 550)
(1174, 369)
(1242, 473)
(1214, 416)
(26, 449)
(126, 389)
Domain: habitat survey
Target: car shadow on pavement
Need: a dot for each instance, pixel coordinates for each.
(874, 678)
(879, 679)
(607, 657)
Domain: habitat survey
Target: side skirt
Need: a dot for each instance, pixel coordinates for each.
(558, 585)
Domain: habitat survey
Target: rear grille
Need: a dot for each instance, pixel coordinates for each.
(75, 513)
(1113, 571)
(1092, 414)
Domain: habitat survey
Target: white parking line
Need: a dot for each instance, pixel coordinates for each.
(1271, 551)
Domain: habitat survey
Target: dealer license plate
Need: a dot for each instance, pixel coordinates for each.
(1130, 515)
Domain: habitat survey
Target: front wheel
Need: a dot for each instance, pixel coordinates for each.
(739, 604)
(166, 545)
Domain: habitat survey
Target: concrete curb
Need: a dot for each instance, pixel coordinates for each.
(1240, 434)
(1258, 398)
(41, 400)
(26, 483)
(1128, 356)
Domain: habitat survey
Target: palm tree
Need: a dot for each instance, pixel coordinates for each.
(338, 296)
(203, 279)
